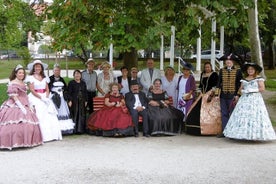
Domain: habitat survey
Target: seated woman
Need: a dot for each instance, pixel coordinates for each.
(164, 119)
(204, 117)
(113, 119)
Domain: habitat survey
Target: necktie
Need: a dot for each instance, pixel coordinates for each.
(151, 72)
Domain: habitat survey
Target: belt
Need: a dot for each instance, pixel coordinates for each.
(40, 90)
(91, 91)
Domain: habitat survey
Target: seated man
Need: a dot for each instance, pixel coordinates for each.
(137, 103)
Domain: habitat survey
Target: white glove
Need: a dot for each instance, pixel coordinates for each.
(22, 108)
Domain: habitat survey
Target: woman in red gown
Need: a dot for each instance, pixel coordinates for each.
(113, 119)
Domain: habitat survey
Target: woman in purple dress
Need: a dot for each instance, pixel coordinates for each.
(186, 89)
(19, 126)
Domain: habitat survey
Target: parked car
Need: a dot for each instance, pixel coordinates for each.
(206, 54)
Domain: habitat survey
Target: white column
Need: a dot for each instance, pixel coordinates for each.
(221, 44)
(198, 49)
(162, 53)
(172, 46)
(111, 54)
(213, 43)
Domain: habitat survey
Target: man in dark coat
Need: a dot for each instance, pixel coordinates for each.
(137, 104)
(229, 84)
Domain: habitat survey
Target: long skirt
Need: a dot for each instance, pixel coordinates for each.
(204, 117)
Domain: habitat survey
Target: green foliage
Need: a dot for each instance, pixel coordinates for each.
(16, 19)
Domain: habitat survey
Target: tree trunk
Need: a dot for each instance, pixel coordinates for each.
(255, 45)
(130, 59)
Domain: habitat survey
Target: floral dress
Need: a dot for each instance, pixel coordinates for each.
(250, 119)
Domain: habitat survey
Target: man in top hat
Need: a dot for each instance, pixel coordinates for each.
(137, 103)
(148, 75)
(90, 78)
(229, 84)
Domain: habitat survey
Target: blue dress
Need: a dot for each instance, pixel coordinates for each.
(250, 119)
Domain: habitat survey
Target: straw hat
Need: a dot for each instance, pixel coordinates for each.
(31, 65)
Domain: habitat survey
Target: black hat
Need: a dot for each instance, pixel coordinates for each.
(231, 56)
(257, 67)
(186, 65)
(133, 82)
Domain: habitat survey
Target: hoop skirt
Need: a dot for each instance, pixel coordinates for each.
(204, 118)
(65, 122)
(164, 120)
(111, 121)
(250, 119)
(16, 128)
(46, 112)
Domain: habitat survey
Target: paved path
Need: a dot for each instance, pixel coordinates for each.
(159, 160)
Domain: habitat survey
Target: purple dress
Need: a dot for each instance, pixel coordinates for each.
(184, 86)
(16, 128)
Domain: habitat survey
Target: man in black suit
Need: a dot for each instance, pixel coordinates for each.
(137, 104)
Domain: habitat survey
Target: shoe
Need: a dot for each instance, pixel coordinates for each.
(220, 136)
(146, 135)
(136, 135)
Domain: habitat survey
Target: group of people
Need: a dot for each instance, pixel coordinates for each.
(225, 104)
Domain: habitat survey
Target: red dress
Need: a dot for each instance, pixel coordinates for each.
(111, 120)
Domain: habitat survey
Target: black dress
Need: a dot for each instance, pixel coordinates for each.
(77, 94)
(163, 120)
(201, 108)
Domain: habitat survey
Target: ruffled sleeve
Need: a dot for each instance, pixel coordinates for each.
(29, 79)
(260, 79)
(12, 90)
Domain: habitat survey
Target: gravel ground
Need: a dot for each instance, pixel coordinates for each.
(173, 159)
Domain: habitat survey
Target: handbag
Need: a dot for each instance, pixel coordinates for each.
(186, 97)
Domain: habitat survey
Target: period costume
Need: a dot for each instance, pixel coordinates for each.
(57, 96)
(45, 110)
(204, 116)
(250, 119)
(111, 121)
(163, 120)
(104, 83)
(133, 100)
(185, 85)
(78, 96)
(18, 129)
(229, 84)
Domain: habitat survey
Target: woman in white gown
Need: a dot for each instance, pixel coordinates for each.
(250, 119)
(39, 98)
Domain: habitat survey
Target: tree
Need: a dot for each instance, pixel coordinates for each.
(134, 24)
(16, 19)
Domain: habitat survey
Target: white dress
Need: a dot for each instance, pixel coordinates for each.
(65, 122)
(250, 119)
(45, 111)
